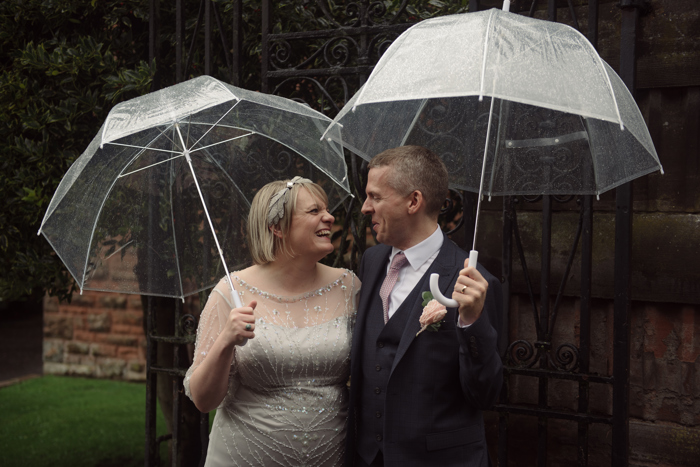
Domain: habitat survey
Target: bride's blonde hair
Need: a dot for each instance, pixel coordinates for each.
(263, 244)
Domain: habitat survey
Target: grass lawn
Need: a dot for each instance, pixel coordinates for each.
(77, 422)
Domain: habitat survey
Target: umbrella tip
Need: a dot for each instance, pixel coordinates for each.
(661, 169)
(506, 5)
(481, 97)
(39, 231)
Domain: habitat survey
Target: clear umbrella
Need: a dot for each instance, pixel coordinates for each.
(513, 105)
(157, 204)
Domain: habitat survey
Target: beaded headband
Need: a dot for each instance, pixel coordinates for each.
(275, 212)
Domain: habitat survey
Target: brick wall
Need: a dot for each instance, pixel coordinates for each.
(664, 385)
(98, 334)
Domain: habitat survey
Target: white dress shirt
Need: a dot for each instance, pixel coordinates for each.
(420, 257)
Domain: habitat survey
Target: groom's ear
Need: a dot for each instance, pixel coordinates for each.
(416, 201)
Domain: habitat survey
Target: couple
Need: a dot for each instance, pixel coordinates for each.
(415, 399)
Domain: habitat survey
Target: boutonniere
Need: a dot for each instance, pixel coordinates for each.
(432, 315)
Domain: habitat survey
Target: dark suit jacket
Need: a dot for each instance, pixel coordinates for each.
(440, 381)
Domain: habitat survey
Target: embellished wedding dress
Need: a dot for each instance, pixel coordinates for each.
(287, 396)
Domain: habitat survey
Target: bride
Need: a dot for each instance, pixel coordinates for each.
(282, 397)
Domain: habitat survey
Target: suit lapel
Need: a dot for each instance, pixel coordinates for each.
(444, 265)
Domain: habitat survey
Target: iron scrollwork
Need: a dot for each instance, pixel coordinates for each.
(523, 354)
(188, 325)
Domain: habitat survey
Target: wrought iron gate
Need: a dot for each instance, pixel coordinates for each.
(325, 67)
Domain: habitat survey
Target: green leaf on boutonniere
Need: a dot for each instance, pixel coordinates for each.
(427, 296)
(434, 327)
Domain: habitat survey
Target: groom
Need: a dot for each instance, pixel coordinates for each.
(417, 400)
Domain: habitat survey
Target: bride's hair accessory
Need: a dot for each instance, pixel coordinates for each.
(275, 212)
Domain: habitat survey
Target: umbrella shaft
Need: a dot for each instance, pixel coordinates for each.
(236, 299)
(483, 172)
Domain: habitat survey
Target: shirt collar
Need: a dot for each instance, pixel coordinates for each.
(420, 253)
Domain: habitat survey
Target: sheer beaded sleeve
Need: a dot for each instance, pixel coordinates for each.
(211, 322)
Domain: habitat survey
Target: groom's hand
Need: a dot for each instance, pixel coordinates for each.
(470, 292)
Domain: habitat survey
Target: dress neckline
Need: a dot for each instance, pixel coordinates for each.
(282, 299)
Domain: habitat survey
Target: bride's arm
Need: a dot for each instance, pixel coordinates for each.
(220, 330)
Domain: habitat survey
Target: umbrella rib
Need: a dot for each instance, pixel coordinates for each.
(211, 127)
(612, 91)
(104, 200)
(143, 147)
(584, 124)
(153, 165)
(413, 123)
(222, 142)
(172, 222)
(585, 42)
(501, 124)
(226, 174)
(120, 249)
(483, 171)
(483, 62)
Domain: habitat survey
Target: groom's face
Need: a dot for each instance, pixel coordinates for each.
(388, 208)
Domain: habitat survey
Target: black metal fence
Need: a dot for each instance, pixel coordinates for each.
(329, 66)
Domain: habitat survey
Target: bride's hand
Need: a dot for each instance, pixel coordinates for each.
(241, 324)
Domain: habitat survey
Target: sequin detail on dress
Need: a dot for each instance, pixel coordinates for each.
(287, 398)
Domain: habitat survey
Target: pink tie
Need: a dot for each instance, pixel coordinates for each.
(397, 263)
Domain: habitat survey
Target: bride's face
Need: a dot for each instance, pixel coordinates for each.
(310, 230)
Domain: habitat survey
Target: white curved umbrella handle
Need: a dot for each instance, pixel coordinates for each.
(435, 289)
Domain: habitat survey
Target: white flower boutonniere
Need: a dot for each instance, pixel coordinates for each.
(433, 313)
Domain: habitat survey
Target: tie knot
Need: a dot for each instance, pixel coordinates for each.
(399, 261)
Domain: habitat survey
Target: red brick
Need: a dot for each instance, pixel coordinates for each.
(127, 353)
(84, 336)
(77, 347)
(690, 346)
(79, 323)
(134, 302)
(59, 326)
(113, 301)
(99, 322)
(104, 350)
(133, 318)
(117, 339)
(669, 410)
(85, 300)
(76, 310)
(127, 329)
(657, 328)
(50, 304)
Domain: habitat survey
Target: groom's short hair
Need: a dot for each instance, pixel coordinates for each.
(416, 168)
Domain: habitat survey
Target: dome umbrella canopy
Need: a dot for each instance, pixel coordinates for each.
(157, 203)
